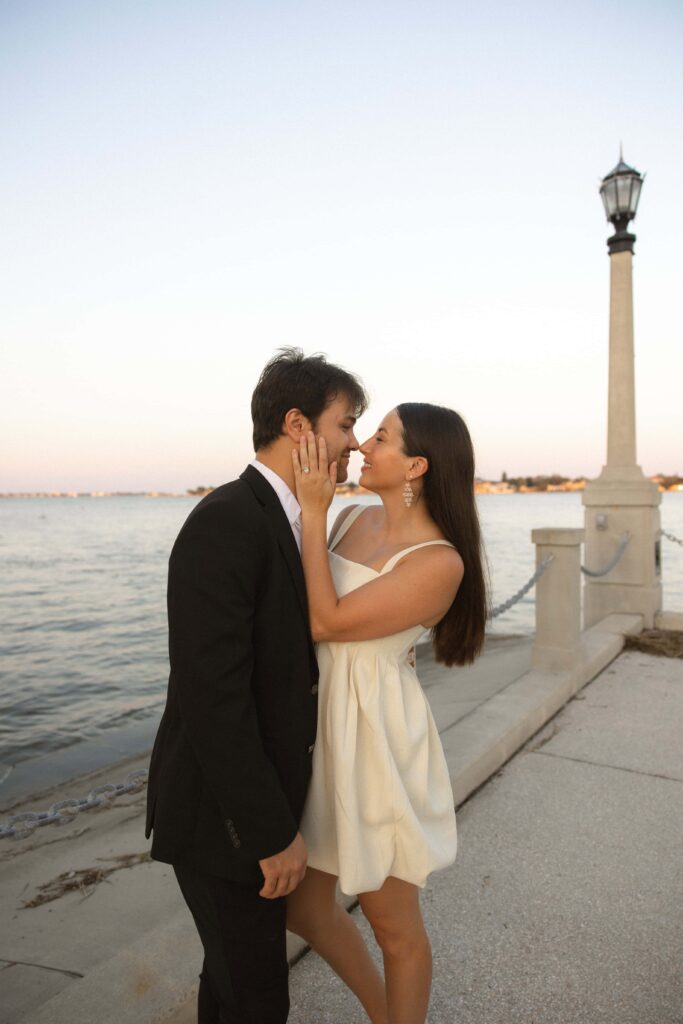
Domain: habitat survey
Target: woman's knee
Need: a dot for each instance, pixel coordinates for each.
(397, 925)
(398, 940)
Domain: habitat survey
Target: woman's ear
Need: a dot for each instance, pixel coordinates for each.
(418, 467)
(295, 424)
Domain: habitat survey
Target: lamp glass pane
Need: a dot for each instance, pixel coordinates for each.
(609, 197)
(624, 193)
(635, 194)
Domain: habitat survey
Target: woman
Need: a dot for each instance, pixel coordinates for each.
(379, 815)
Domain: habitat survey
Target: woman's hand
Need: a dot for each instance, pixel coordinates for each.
(315, 479)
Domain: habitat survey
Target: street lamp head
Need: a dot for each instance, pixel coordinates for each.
(620, 192)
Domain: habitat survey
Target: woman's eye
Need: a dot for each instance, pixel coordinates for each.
(378, 439)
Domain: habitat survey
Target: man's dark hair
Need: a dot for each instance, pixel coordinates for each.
(291, 380)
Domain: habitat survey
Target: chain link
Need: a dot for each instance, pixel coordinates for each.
(670, 536)
(542, 566)
(63, 812)
(612, 562)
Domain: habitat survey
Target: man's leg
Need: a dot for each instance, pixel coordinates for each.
(244, 975)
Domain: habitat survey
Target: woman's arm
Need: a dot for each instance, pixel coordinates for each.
(420, 589)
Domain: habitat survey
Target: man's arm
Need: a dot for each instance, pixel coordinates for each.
(214, 574)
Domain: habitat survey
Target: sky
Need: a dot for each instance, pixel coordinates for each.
(408, 187)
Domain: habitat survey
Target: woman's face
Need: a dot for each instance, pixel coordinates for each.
(385, 463)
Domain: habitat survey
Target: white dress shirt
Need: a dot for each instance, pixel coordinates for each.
(290, 505)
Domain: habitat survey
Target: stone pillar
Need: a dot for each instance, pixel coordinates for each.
(634, 585)
(558, 599)
(621, 414)
(622, 499)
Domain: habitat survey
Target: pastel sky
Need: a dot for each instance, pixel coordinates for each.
(409, 187)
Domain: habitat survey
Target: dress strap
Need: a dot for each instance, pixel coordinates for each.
(346, 525)
(388, 566)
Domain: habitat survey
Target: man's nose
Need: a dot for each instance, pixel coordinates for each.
(353, 442)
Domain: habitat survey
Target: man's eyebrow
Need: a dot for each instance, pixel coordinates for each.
(351, 419)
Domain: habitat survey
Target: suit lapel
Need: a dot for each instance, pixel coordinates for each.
(283, 531)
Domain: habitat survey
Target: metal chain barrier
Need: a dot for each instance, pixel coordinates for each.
(20, 826)
(612, 562)
(541, 568)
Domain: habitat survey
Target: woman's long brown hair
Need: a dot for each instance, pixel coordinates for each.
(441, 436)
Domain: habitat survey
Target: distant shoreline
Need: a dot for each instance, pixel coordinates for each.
(102, 494)
(519, 485)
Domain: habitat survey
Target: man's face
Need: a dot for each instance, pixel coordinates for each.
(336, 425)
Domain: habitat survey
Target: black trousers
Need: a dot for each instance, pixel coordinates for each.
(244, 978)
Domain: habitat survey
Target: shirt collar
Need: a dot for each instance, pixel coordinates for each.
(291, 506)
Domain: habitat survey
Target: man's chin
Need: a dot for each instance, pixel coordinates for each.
(342, 472)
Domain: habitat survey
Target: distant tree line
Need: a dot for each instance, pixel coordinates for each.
(540, 483)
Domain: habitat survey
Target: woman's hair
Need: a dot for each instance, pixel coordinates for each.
(291, 380)
(440, 435)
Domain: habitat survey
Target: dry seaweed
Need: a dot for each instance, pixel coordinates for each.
(667, 643)
(84, 881)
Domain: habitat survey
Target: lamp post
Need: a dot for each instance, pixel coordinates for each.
(622, 499)
(620, 191)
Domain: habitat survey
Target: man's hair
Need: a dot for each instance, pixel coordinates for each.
(291, 380)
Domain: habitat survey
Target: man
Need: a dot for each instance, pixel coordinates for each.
(232, 759)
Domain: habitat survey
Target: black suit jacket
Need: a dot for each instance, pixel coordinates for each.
(232, 758)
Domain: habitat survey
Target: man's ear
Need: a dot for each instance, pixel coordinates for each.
(295, 424)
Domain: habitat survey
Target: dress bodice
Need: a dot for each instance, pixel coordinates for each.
(349, 575)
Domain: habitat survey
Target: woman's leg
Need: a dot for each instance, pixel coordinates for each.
(314, 914)
(394, 914)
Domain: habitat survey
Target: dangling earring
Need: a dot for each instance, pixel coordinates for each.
(408, 494)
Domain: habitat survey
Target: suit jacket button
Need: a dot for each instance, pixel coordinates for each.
(310, 749)
(314, 688)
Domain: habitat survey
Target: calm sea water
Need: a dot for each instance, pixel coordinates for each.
(82, 603)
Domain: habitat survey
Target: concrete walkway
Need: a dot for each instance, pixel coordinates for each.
(542, 846)
(565, 904)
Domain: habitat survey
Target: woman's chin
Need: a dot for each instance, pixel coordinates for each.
(365, 480)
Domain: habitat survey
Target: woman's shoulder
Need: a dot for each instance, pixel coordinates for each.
(438, 555)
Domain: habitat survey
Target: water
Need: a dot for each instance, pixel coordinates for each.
(82, 603)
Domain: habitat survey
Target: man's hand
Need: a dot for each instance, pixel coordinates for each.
(283, 871)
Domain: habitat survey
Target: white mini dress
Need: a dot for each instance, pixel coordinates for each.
(380, 802)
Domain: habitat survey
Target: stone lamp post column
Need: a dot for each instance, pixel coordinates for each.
(621, 499)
